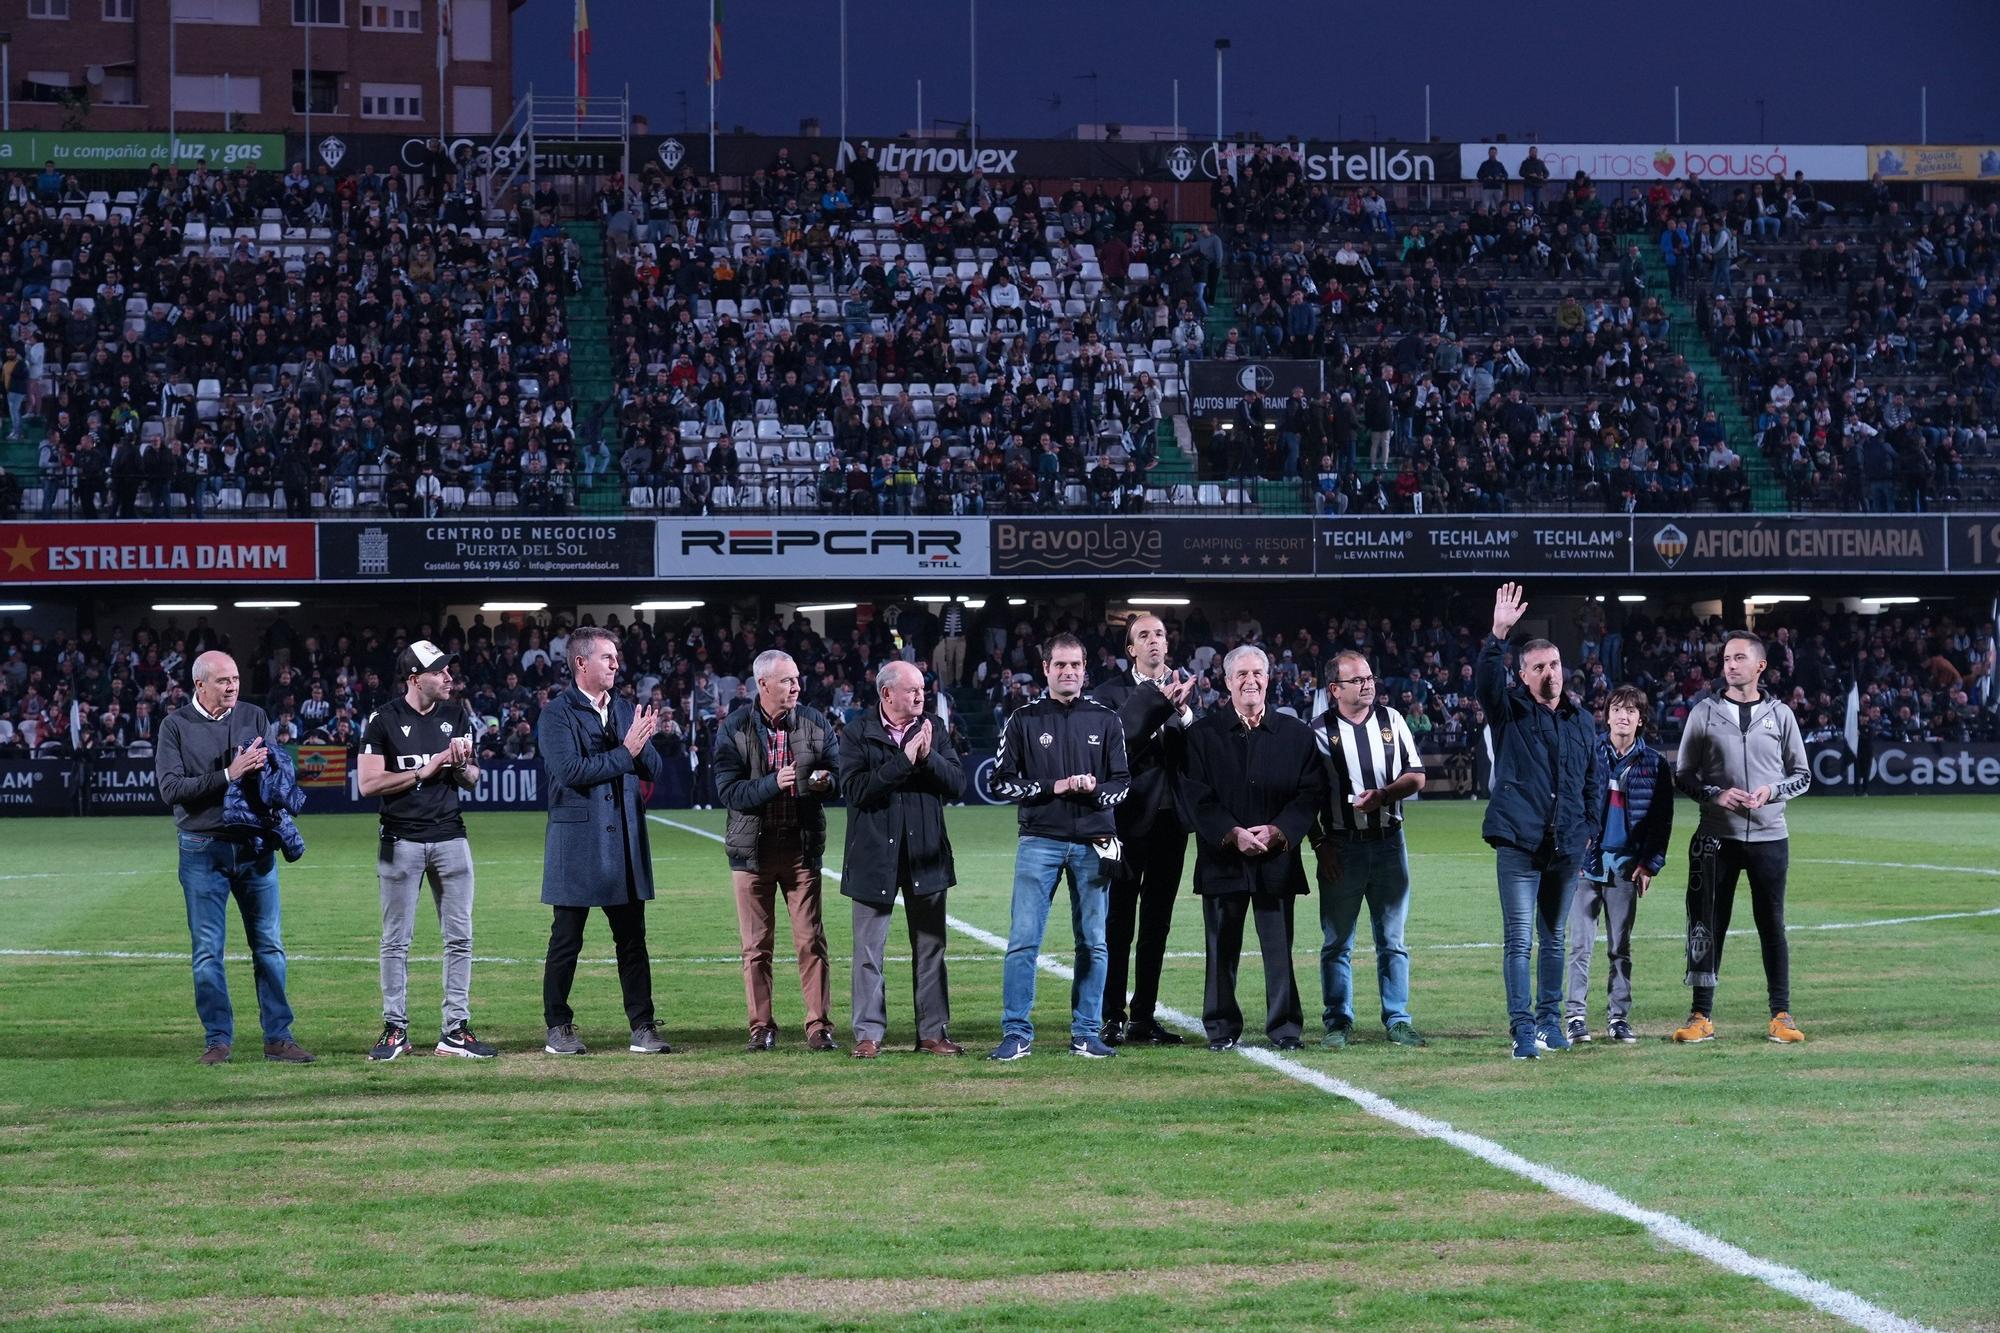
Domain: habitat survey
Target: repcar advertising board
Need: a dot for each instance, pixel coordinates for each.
(821, 548)
(127, 551)
(417, 550)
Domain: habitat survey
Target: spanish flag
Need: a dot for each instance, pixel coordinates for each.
(715, 41)
(581, 40)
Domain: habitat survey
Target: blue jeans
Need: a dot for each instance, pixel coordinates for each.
(1039, 864)
(1377, 873)
(212, 872)
(1534, 906)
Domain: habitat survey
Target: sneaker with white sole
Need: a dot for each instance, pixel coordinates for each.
(563, 1040)
(1090, 1048)
(646, 1040)
(1577, 1030)
(1012, 1047)
(392, 1044)
(1621, 1031)
(460, 1042)
(1783, 1030)
(1550, 1039)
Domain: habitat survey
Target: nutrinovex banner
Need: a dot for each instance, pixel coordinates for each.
(82, 151)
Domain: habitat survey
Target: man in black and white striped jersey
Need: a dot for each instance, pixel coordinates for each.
(1372, 767)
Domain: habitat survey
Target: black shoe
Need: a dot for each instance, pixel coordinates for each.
(460, 1042)
(393, 1043)
(1150, 1032)
(1288, 1044)
(1222, 1043)
(1113, 1033)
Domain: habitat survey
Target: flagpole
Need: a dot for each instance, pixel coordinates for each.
(713, 87)
(444, 39)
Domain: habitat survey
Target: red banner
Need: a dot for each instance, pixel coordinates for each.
(164, 551)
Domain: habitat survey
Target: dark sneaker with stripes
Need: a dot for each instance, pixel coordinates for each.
(460, 1042)
(392, 1044)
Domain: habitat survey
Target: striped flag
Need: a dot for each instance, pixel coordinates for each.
(444, 34)
(715, 41)
(580, 38)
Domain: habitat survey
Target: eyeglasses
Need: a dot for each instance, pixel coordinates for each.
(1356, 680)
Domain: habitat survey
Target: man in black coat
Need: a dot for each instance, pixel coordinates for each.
(1152, 703)
(1548, 790)
(1251, 788)
(596, 748)
(897, 770)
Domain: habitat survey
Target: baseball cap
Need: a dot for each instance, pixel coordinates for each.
(423, 655)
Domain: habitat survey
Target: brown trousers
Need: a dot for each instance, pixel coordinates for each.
(949, 661)
(782, 873)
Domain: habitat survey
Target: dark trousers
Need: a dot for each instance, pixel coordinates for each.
(1766, 862)
(1222, 917)
(1142, 894)
(635, 968)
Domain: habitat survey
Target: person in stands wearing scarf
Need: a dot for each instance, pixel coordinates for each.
(1620, 864)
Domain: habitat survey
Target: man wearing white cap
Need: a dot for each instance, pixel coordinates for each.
(417, 755)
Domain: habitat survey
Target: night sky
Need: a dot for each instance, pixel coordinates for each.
(1837, 71)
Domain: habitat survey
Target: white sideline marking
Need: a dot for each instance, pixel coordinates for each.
(1823, 1296)
(371, 959)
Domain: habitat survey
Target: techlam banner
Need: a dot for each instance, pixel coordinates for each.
(1472, 544)
(37, 786)
(162, 551)
(1651, 162)
(750, 546)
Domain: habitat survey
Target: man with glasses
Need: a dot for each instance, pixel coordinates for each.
(1372, 766)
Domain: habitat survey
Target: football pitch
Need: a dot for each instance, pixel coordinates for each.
(1166, 1188)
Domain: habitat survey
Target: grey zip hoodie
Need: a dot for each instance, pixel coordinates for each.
(1717, 753)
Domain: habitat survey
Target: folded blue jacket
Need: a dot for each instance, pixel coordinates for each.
(266, 805)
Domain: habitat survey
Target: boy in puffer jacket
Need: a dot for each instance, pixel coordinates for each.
(1620, 864)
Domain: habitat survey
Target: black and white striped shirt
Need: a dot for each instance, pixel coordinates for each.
(1364, 757)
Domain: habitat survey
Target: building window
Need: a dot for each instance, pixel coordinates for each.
(240, 93)
(46, 85)
(320, 13)
(240, 13)
(119, 11)
(325, 92)
(48, 9)
(118, 90)
(392, 101)
(393, 16)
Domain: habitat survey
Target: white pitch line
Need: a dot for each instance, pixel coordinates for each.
(1822, 1296)
(372, 959)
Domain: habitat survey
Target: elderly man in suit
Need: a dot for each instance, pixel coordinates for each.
(596, 748)
(1252, 785)
(897, 770)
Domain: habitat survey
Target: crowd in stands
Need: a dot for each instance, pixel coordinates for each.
(833, 340)
(255, 341)
(1922, 676)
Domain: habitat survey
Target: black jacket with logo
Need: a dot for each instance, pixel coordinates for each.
(1045, 741)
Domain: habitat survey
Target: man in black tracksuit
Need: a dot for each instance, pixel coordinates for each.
(1062, 758)
(1152, 703)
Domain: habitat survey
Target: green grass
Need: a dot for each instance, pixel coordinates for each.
(1166, 1188)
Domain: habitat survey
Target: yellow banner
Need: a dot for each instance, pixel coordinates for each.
(1935, 162)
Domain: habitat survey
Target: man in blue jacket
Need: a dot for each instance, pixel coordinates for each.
(1547, 791)
(595, 749)
(1635, 822)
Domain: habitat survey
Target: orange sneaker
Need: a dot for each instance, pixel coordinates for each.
(1697, 1028)
(1784, 1030)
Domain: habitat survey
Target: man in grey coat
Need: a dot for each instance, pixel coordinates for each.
(1743, 758)
(596, 748)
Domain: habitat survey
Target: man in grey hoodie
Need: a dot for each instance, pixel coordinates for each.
(1742, 758)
